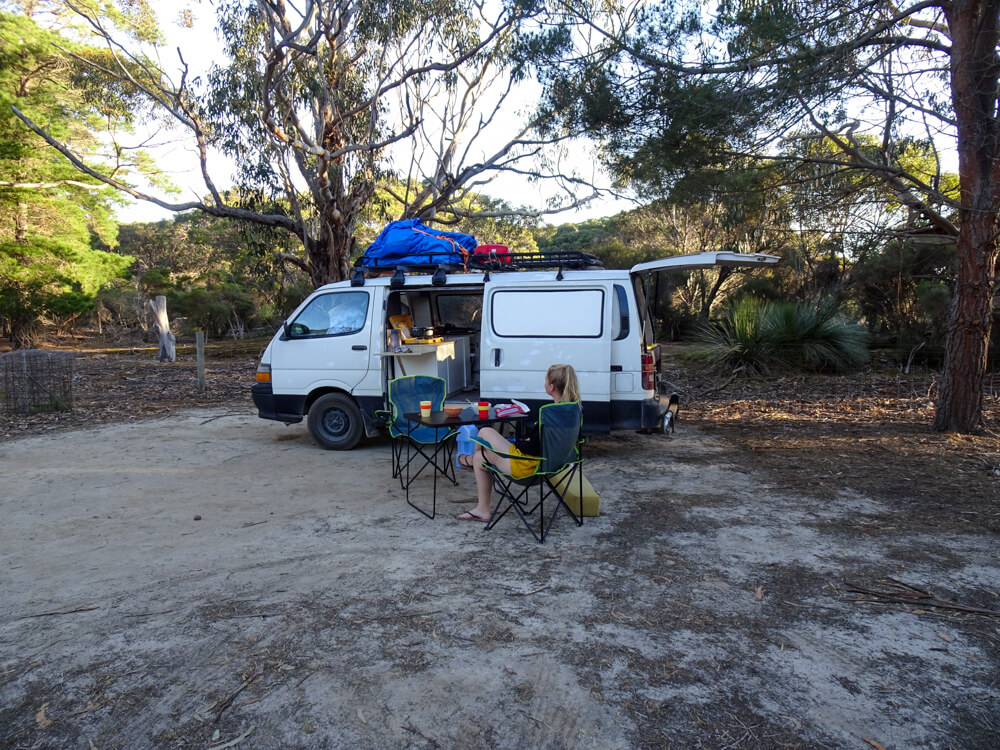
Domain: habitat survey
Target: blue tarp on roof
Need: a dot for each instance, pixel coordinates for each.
(413, 243)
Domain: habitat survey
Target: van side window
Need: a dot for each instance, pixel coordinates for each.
(549, 313)
(460, 311)
(334, 314)
(619, 315)
(644, 317)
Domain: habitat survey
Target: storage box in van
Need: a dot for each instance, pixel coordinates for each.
(490, 335)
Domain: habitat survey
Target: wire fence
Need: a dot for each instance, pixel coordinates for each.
(34, 380)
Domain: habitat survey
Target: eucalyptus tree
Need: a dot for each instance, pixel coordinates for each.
(671, 86)
(327, 106)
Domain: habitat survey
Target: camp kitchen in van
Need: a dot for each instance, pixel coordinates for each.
(487, 321)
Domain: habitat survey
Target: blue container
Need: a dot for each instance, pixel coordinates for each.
(463, 442)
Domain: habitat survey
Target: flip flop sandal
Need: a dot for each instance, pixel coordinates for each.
(467, 463)
(471, 517)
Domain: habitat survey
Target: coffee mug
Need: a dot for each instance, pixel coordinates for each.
(425, 408)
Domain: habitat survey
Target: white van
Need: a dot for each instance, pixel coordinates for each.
(489, 335)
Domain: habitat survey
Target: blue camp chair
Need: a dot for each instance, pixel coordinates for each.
(559, 426)
(416, 447)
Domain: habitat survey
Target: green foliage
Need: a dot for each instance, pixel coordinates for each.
(587, 236)
(47, 277)
(50, 220)
(902, 290)
(219, 274)
(765, 337)
(516, 232)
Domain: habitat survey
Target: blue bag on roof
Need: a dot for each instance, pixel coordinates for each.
(413, 243)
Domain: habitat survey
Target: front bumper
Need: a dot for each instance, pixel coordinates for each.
(280, 408)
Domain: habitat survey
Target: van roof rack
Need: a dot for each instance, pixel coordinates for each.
(495, 261)
(561, 259)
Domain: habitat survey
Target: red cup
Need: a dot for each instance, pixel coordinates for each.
(484, 409)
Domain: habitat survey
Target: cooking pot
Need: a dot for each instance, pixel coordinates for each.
(421, 332)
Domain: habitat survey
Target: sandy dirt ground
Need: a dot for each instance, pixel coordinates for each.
(212, 580)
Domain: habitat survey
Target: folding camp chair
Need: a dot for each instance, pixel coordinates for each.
(416, 447)
(559, 426)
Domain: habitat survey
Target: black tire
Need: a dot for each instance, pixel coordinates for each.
(335, 422)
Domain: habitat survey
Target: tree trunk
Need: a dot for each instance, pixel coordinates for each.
(960, 401)
(974, 77)
(706, 306)
(161, 325)
(330, 256)
(23, 333)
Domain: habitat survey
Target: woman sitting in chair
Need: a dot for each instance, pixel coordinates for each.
(562, 386)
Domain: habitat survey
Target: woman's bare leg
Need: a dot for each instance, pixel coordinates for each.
(484, 482)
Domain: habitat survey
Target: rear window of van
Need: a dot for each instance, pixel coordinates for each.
(549, 313)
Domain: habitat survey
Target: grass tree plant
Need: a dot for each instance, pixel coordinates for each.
(760, 337)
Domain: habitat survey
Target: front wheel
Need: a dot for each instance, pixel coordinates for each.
(335, 422)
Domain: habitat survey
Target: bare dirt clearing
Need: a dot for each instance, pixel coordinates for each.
(710, 605)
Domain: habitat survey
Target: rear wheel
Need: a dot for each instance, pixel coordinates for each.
(335, 422)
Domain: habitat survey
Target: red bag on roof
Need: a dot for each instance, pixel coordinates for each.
(498, 253)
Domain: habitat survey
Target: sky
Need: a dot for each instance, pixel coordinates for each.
(201, 47)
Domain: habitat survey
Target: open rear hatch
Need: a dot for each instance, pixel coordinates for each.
(641, 271)
(705, 260)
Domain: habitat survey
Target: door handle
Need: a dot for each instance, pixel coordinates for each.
(496, 357)
(359, 348)
(616, 368)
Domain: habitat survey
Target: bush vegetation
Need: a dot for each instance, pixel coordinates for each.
(761, 337)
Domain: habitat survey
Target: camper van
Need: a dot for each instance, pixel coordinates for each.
(490, 335)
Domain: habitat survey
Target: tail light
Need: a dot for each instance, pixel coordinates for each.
(263, 373)
(648, 377)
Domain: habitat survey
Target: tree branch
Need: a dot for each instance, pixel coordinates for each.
(891, 175)
(47, 185)
(275, 220)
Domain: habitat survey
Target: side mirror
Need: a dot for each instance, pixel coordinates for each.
(298, 331)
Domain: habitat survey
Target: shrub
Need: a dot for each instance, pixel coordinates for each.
(766, 337)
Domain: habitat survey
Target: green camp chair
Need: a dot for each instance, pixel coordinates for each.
(424, 447)
(559, 426)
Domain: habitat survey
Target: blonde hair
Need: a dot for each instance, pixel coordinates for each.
(563, 379)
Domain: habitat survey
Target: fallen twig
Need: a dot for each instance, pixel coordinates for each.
(533, 718)
(738, 742)
(529, 593)
(396, 617)
(311, 673)
(904, 593)
(255, 614)
(149, 614)
(65, 612)
(233, 742)
(89, 707)
(226, 703)
(410, 728)
(736, 374)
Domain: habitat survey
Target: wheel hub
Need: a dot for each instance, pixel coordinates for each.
(335, 422)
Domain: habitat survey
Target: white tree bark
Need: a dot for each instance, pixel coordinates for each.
(161, 324)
